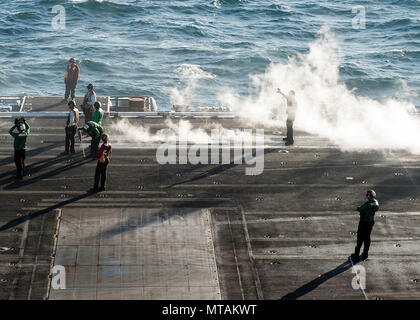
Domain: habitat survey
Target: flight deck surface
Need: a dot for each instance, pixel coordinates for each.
(204, 231)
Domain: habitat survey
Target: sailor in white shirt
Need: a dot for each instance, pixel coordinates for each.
(71, 127)
(88, 103)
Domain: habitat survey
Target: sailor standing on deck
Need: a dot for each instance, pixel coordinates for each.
(291, 114)
(367, 214)
(103, 160)
(20, 145)
(71, 77)
(88, 103)
(98, 114)
(71, 127)
(94, 130)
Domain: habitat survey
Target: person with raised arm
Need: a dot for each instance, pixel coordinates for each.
(291, 115)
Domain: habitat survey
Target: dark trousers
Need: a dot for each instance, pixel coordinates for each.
(289, 136)
(70, 89)
(94, 147)
(20, 156)
(100, 173)
(69, 143)
(363, 236)
(88, 112)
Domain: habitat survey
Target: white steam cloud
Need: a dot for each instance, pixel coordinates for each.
(192, 73)
(325, 106)
(136, 135)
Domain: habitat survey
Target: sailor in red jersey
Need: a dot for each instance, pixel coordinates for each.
(70, 79)
(103, 160)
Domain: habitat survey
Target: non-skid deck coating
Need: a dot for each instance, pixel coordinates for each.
(286, 233)
(132, 253)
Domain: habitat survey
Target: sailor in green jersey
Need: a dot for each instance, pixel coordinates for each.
(94, 130)
(367, 214)
(98, 114)
(20, 137)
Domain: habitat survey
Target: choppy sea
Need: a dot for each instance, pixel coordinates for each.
(190, 51)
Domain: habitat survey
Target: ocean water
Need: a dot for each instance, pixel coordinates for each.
(194, 51)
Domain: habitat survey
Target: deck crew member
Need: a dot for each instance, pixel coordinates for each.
(99, 113)
(94, 130)
(103, 161)
(71, 77)
(19, 144)
(71, 127)
(367, 214)
(291, 114)
(88, 103)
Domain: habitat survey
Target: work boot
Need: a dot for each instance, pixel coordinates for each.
(364, 256)
(288, 143)
(355, 258)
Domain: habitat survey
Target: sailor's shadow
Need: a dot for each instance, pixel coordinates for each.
(178, 210)
(219, 169)
(312, 285)
(32, 152)
(32, 169)
(17, 221)
(49, 174)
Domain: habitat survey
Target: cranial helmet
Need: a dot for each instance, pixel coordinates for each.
(104, 137)
(20, 125)
(371, 193)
